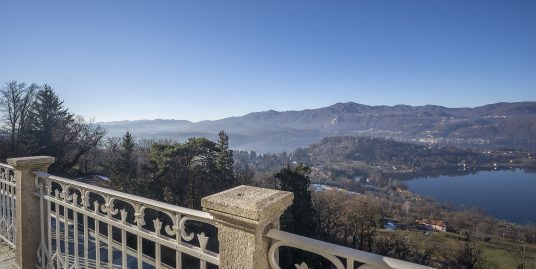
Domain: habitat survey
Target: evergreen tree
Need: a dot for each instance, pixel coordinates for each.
(224, 160)
(252, 156)
(54, 131)
(186, 172)
(47, 116)
(125, 173)
(299, 218)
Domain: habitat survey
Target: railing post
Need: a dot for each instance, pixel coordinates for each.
(28, 230)
(243, 216)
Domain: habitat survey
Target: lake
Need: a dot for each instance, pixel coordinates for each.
(505, 194)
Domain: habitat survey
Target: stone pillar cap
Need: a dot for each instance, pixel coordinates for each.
(31, 161)
(252, 203)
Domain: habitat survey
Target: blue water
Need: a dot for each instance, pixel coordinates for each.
(507, 194)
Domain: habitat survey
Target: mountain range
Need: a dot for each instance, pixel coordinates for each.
(500, 125)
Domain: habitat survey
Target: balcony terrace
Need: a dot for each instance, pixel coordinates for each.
(54, 222)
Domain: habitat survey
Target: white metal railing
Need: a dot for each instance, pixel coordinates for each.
(7, 204)
(85, 226)
(340, 257)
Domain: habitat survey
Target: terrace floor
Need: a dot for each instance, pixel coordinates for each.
(7, 256)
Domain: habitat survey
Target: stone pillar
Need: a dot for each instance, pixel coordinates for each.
(243, 216)
(27, 225)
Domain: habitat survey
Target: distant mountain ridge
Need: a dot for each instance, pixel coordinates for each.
(490, 126)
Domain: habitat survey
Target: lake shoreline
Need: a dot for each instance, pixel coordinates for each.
(503, 194)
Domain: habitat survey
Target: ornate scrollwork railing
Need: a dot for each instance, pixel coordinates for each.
(85, 226)
(340, 257)
(7, 204)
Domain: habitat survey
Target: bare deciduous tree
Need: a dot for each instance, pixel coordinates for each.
(16, 99)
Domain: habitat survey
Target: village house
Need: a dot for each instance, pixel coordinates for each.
(431, 225)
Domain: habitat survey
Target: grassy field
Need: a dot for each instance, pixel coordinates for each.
(506, 254)
(503, 253)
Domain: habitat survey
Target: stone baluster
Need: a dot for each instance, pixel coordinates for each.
(243, 216)
(28, 229)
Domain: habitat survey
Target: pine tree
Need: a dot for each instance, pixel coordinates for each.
(47, 116)
(299, 218)
(224, 160)
(40, 125)
(186, 172)
(124, 176)
(53, 131)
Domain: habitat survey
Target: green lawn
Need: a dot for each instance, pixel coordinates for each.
(503, 253)
(506, 254)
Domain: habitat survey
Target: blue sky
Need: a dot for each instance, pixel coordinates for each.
(197, 60)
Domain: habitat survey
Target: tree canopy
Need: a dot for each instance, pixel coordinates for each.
(39, 124)
(299, 218)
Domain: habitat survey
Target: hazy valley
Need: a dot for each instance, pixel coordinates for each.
(509, 125)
